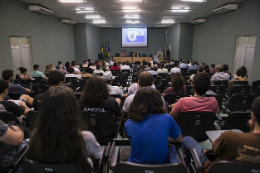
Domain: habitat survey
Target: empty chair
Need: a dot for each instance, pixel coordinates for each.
(235, 120)
(223, 82)
(195, 124)
(238, 89)
(117, 55)
(238, 102)
(183, 71)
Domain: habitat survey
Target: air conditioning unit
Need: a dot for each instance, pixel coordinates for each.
(226, 8)
(68, 21)
(39, 9)
(198, 21)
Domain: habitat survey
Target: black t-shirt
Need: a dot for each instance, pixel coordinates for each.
(110, 105)
(13, 108)
(37, 101)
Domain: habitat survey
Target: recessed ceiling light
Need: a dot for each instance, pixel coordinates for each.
(131, 0)
(86, 11)
(99, 21)
(167, 21)
(72, 1)
(129, 11)
(132, 16)
(181, 11)
(93, 17)
(195, 0)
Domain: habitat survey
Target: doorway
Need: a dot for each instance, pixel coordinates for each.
(244, 54)
(21, 53)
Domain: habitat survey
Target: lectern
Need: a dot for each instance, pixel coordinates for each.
(160, 55)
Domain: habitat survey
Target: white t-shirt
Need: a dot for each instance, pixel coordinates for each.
(175, 70)
(125, 67)
(164, 70)
(135, 87)
(98, 71)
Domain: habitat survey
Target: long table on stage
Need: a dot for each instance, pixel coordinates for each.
(131, 59)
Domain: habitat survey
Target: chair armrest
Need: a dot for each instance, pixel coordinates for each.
(217, 125)
(107, 150)
(19, 157)
(98, 162)
(110, 156)
(120, 122)
(114, 158)
(195, 158)
(219, 117)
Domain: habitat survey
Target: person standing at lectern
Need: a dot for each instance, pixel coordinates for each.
(123, 54)
(138, 54)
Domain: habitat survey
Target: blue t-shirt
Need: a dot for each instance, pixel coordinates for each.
(38, 74)
(183, 65)
(149, 138)
(16, 88)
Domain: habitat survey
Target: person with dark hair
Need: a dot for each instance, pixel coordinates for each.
(225, 68)
(98, 70)
(85, 63)
(88, 72)
(193, 66)
(153, 71)
(198, 103)
(60, 136)
(115, 67)
(145, 79)
(137, 54)
(17, 109)
(245, 71)
(199, 70)
(56, 78)
(95, 97)
(212, 68)
(23, 74)
(149, 67)
(240, 76)
(74, 66)
(220, 75)
(113, 90)
(183, 64)
(203, 64)
(123, 54)
(13, 88)
(37, 73)
(178, 85)
(125, 66)
(206, 69)
(67, 65)
(149, 129)
(232, 146)
(58, 66)
(175, 69)
(162, 69)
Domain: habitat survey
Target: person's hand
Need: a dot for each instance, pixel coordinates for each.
(15, 128)
(251, 125)
(22, 103)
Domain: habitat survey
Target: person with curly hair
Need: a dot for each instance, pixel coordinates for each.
(178, 85)
(149, 129)
(95, 97)
(197, 103)
(240, 76)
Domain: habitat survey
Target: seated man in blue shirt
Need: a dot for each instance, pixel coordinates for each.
(193, 66)
(183, 65)
(149, 129)
(37, 73)
(153, 72)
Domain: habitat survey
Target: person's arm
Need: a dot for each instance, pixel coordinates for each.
(175, 132)
(219, 143)
(251, 125)
(177, 140)
(26, 109)
(176, 109)
(13, 136)
(28, 90)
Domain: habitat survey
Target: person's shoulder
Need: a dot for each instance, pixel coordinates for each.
(38, 96)
(88, 136)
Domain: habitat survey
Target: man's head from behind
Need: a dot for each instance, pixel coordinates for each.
(56, 78)
(145, 79)
(256, 111)
(201, 82)
(3, 86)
(219, 68)
(36, 67)
(8, 74)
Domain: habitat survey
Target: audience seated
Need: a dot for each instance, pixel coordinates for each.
(88, 72)
(61, 69)
(17, 109)
(212, 68)
(198, 103)
(11, 143)
(240, 76)
(85, 63)
(225, 68)
(175, 69)
(114, 90)
(49, 69)
(153, 72)
(23, 74)
(145, 79)
(115, 67)
(73, 65)
(93, 66)
(56, 78)
(183, 65)
(148, 68)
(206, 69)
(37, 73)
(95, 97)
(149, 129)
(162, 69)
(98, 70)
(232, 146)
(13, 88)
(220, 75)
(193, 66)
(59, 136)
(125, 66)
(245, 71)
(199, 70)
(67, 65)
(58, 66)
(178, 85)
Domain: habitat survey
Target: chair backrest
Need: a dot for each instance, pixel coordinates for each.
(257, 91)
(173, 98)
(183, 70)
(30, 166)
(240, 102)
(192, 72)
(8, 116)
(143, 55)
(40, 88)
(190, 89)
(218, 89)
(78, 84)
(241, 89)
(238, 120)
(117, 55)
(255, 84)
(101, 124)
(130, 167)
(69, 79)
(31, 117)
(241, 83)
(229, 166)
(14, 96)
(221, 82)
(195, 124)
(218, 97)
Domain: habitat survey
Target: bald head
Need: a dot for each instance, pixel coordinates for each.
(145, 79)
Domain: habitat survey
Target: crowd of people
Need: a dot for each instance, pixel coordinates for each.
(59, 135)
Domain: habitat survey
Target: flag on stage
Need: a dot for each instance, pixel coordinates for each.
(102, 50)
(108, 50)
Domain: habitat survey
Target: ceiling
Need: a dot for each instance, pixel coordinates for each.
(151, 15)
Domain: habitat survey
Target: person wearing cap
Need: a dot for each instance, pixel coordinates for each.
(114, 90)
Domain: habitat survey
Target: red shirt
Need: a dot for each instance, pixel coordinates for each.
(115, 68)
(205, 104)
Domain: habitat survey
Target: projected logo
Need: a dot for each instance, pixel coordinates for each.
(132, 35)
(135, 36)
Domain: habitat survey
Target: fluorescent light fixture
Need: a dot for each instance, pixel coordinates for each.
(132, 16)
(181, 11)
(131, 0)
(163, 25)
(194, 0)
(72, 1)
(86, 11)
(130, 11)
(99, 21)
(132, 21)
(167, 21)
(93, 17)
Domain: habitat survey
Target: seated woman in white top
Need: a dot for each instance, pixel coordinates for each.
(60, 136)
(162, 69)
(98, 70)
